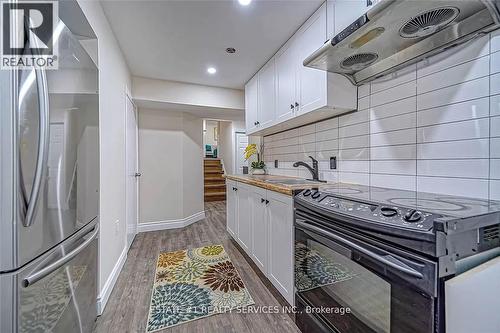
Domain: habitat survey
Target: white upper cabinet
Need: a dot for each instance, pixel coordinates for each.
(251, 104)
(312, 83)
(299, 91)
(267, 94)
(285, 80)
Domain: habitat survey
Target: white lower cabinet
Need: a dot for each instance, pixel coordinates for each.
(259, 225)
(261, 221)
(280, 250)
(243, 217)
(232, 205)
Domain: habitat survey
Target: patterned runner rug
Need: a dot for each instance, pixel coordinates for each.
(194, 284)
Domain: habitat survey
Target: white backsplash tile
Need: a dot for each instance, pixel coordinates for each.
(393, 109)
(353, 166)
(394, 181)
(495, 148)
(454, 75)
(355, 178)
(395, 167)
(403, 121)
(495, 105)
(467, 168)
(495, 189)
(392, 94)
(400, 137)
(475, 188)
(394, 152)
(458, 93)
(495, 63)
(354, 142)
(354, 130)
(495, 126)
(454, 149)
(495, 84)
(476, 108)
(363, 103)
(470, 129)
(327, 145)
(495, 169)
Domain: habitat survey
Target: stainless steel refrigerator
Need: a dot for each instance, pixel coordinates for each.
(49, 186)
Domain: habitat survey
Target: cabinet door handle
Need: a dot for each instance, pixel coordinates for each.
(267, 202)
(262, 200)
(296, 104)
(291, 106)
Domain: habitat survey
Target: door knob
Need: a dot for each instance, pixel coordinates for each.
(138, 174)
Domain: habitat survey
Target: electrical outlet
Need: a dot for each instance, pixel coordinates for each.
(333, 162)
(117, 227)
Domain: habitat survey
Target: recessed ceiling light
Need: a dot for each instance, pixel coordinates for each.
(244, 2)
(231, 50)
(211, 70)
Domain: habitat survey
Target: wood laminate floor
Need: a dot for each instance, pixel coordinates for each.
(128, 305)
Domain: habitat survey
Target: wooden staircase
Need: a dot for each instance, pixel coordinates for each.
(215, 183)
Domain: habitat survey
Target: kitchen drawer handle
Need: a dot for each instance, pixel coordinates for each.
(37, 276)
(379, 258)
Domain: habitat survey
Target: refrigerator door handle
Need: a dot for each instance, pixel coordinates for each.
(43, 146)
(33, 278)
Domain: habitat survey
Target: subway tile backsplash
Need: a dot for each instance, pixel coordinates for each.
(433, 127)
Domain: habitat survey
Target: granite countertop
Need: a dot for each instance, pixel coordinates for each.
(261, 181)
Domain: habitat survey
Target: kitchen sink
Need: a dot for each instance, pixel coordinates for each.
(293, 181)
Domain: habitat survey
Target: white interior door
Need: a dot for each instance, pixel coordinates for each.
(132, 172)
(241, 144)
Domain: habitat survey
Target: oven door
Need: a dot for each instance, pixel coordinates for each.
(351, 285)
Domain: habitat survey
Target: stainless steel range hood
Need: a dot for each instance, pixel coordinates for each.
(397, 33)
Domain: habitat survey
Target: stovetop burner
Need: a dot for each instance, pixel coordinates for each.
(429, 204)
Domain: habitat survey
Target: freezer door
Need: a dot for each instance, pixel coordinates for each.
(50, 155)
(55, 293)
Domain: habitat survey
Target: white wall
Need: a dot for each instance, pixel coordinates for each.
(227, 143)
(208, 133)
(171, 163)
(114, 76)
(187, 94)
(433, 127)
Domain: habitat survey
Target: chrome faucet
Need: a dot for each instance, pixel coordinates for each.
(314, 169)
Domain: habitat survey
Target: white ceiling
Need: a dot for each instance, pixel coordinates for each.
(178, 40)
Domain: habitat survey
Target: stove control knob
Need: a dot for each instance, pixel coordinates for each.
(315, 195)
(307, 193)
(388, 211)
(412, 216)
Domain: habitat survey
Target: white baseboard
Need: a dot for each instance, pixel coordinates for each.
(170, 224)
(103, 297)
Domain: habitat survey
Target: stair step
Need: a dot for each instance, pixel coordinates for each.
(214, 194)
(221, 185)
(210, 172)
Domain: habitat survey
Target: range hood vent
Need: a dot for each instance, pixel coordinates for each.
(396, 33)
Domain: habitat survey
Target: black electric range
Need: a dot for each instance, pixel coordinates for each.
(384, 254)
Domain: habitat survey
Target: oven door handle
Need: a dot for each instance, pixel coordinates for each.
(379, 258)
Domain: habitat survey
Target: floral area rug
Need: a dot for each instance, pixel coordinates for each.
(313, 270)
(194, 284)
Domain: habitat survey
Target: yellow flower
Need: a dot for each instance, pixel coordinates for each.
(250, 150)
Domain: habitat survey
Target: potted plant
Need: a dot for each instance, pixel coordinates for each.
(258, 167)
